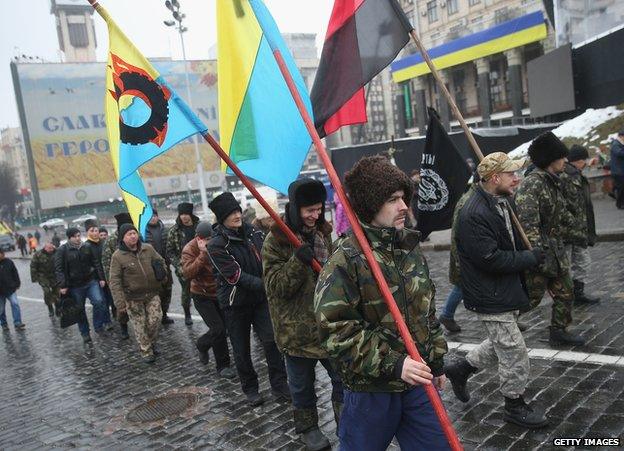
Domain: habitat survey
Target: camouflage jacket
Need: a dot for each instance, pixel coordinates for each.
(175, 243)
(42, 269)
(109, 247)
(454, 278)
(576, 191)
(289, 285)
(355, 325)
(544, 216)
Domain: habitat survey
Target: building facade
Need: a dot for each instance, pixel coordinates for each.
(75, 30)
(13, 153)
(480, 48)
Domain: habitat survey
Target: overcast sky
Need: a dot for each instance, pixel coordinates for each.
(27, 27)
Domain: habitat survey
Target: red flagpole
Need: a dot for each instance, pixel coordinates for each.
(432, 393)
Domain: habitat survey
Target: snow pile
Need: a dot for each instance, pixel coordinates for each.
(579, 127)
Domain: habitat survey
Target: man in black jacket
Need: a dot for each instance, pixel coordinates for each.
(234, 252)
(80, 275)
(9, 284)
(492, 258)
(156, 235)
(95, 245)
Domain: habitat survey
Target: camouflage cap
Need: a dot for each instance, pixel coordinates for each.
(498, 162)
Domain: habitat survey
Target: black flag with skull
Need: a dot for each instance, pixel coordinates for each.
(443, 178)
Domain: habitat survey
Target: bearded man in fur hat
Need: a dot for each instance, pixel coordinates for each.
(289, 281)
(383, 386)
(545, 218)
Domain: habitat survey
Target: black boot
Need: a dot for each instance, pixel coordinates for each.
(57, 311)
(519, 412)
(50, 310)
(560, 336)
(166, 320)
(579, 294)
(187, 316)
(124, 331)
(306, 425)
(449, 324)
(458, 373)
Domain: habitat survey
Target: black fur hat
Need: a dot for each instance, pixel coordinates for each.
(185, 208)
(371, 182)
(123, 218)
(303, 193)
(223, 205)
(545, 149)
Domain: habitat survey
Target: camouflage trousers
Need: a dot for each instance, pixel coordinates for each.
(165, 295)
(145, 317)
(186, 293)
(562, 291)
(580, 261)
(50, 295)
(504, 345)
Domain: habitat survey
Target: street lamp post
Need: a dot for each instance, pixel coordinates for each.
(174, 7)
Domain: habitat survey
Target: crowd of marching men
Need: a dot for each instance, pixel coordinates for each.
(240, 275)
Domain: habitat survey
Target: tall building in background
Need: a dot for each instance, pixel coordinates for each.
(13, 153)
(75, 29)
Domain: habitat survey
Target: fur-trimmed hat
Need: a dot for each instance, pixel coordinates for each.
(545, 149)
(123, 218)
(577, 153)
(90, 223)
(223, 205)
(371, 182)
(185, 208)
(303, 193)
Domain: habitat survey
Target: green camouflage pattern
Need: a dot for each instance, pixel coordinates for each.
(42, 270)
(544, 216)
(454, 278)
(175, 238)
(573, 188)
(289, 286)
(110, 246)
(145, 317)
(561, 290)
(355, 324)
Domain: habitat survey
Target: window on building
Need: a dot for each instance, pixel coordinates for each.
(432, 11)
(473, 2)
(451, 6)
(501, 15)
(78, 34)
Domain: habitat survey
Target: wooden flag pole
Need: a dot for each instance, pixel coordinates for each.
(252, 189)
(462, 122)
(432, 393)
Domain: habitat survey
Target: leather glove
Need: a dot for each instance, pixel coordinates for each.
(540, 255)
(305, 254)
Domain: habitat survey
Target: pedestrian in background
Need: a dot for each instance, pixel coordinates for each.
(42, 272)
(156, 235)
(583, 233)
(32, 244)
(9, 284)
(234, 252)
(617, 168)
(198, 270)
(80, 276)
(136, 276)
(22, 244)
(181, 233)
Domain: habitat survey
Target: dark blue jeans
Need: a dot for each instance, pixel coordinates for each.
(370, 420)
(452, 301)
(15, 309)
(92, 291)
(301, 377)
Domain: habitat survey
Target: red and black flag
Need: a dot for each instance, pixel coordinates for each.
(363, 37)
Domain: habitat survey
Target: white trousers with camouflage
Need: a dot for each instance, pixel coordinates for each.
(145, 317)
(580, 261)
(506, 346)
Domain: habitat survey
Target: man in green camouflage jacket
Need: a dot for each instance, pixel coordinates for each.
(583, 233)
(42, 272)
(178, 236)
(289, 282)
(383, 385)
(544, 216)
(110, 246)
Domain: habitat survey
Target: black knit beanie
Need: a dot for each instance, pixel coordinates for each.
(371, 182)
(203, 230)
(545, 149)
(303, 193)
(223, 205)
(125, 228)
(577, 153)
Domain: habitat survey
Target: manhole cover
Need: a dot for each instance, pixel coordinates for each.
(161, 408)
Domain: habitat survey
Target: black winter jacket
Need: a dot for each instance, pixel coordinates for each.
(490, 268)
(95, 249)
(237, 261)
(76, 267)
(156, 235)
(9, 277)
